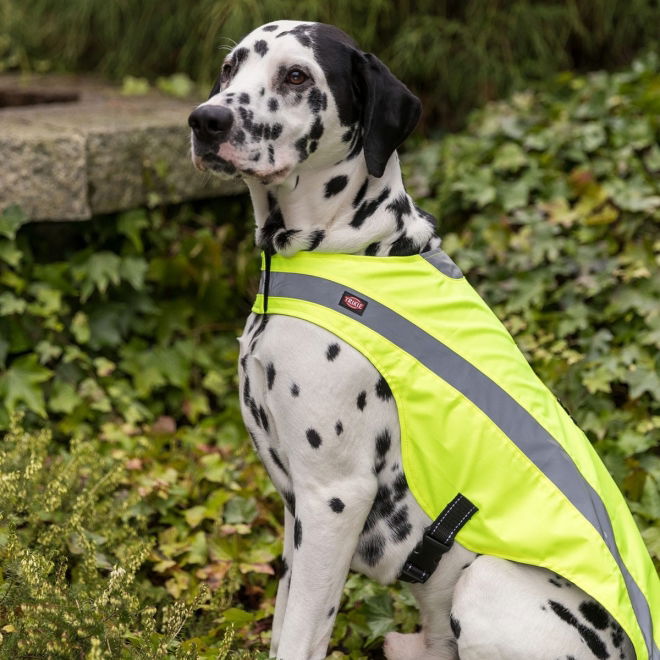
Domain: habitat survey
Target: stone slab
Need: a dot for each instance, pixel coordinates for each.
(105, 153)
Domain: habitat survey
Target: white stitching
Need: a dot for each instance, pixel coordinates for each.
(460, 522)
(438, 522)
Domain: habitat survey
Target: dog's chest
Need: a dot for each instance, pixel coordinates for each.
(322, 417)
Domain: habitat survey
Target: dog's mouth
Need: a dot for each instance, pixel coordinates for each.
(211, 162)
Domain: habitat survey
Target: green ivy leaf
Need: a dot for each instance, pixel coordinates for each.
(11, 220)
(21, 384)
(10, 254)
(240, 510)
(63, 398)
(379, 615)
(11, 304)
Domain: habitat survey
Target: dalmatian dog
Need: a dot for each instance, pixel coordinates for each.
(312, 123)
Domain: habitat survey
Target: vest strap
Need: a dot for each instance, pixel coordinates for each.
(438, 539)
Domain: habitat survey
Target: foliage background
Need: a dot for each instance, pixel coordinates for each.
(135, 521)
(474, 51)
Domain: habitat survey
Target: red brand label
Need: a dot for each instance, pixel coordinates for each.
(355, 304)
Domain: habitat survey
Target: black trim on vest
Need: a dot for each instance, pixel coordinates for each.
(438, 539)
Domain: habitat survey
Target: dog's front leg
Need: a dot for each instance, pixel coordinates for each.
(327, 524)
(284, 583)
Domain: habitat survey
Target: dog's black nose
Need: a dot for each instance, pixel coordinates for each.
(211, 123)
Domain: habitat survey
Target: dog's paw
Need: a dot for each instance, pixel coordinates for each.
(404, 647)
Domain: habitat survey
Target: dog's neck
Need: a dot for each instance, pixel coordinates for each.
(341, 209)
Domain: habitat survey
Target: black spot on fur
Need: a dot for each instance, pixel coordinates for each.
(254, 410)
(271, 154)
(290, 501)
(243, 362)
(381, 508)
(455, 626)
(270, 375)
(399, 524)
(332, 352)
(273, 104)
(240, 55)
(402, 247)
(595, 614)
(331, 611)
(277, 460)
(261, 47)
(347, 136)
(379, 467)
(360, 194)
(617, 634)
(367, 209)
(316, 131)
(262, 91)
(372, 249)
(295, 390)
(239, 137)
(313, 438)
(315, 239)
(297, 533)
(270, 28)
(284, 567)
(335, 185)
(255, 158)
(301, 148)
(339, 427)
(383, 442)
(301, 33)
(275, 131)
(336, 505)
(315, 100)
(244, 98)
(383, 390)
(283, 239)
(254, 440)
(427, 216)
(592, 640)
(312, 146)
(400, 486)
(553, 581)
(264, 418)
(371, 549)
(274, 223)
(400, 206)
(361, 400)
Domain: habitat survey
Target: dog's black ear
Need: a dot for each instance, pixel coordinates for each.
(390, 111)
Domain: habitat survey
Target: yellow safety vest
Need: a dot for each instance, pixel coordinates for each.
(475, 419)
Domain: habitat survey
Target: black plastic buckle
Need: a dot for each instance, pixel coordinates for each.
(439, 547)
(426, 555)
(410, 573)
(427, 552)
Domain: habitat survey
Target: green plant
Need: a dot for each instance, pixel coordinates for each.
(454, 54)
(71, 544)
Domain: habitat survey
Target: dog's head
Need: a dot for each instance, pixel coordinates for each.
(293, 96)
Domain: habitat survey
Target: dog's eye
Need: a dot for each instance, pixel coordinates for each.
(226, 71)
(296, 77)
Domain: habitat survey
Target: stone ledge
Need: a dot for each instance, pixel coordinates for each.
(103, 153)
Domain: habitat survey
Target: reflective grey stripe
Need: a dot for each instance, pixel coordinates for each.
(520, 427)
(442, 261)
